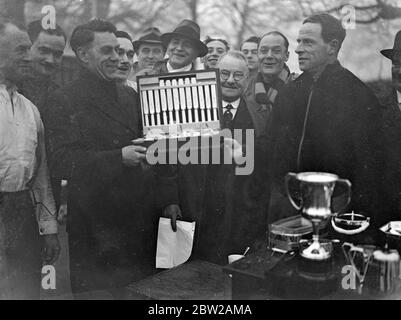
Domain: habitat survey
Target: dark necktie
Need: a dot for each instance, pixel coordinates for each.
(228, 117)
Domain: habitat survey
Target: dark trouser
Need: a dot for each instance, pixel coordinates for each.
(20, 260)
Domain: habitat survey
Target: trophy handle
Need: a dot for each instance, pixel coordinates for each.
(289, 176)
(347, 184)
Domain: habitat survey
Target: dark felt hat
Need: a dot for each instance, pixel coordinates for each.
(149, 35)
(190, 30)
(389, 53)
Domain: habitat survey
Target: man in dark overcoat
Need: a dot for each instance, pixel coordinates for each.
(391, 101)
(327, 120)
(90, 130)
(233, 215)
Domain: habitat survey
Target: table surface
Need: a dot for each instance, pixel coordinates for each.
(288, 276)
(194, 280)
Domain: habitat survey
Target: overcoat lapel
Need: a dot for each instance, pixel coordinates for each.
(104, 97)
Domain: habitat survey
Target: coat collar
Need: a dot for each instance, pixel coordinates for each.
(106, 98)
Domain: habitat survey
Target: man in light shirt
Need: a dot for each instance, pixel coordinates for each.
(27, 208)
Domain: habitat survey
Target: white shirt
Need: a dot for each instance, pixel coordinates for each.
(235, 105)
(183, 69)
(398, 97)
(23, 156)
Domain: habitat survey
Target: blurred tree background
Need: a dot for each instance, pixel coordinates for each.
(376, 21)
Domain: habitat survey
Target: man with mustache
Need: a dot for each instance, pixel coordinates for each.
(250, 49)
(232, 219)
(47, 53)
(27, 208)
(91, 131)
(391, 101)
(216, 48)
(126, 58)
(327, 120)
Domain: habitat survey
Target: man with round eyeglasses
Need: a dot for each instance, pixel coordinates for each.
(233, 218)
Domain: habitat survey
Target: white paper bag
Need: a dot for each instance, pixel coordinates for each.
(174, 248)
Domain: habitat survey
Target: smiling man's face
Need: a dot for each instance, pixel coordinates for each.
(102, 55)
(182, 52)
(15, 59)
(215, 50)
(233, 77)
(126, 58)
(47, 53)
(272, 54)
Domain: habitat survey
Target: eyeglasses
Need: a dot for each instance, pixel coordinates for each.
(237, 75)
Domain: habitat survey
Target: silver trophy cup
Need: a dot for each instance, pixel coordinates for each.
(313, 198)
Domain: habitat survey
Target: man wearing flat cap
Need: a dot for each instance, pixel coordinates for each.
(391, 101)
(149, 50)
(183, 47)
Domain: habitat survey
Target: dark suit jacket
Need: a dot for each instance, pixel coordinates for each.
(233, 214)
(392, 162)
(88, 123)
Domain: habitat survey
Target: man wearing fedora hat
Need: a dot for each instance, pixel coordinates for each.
(391, 101)
(149, 50)
(183, 47)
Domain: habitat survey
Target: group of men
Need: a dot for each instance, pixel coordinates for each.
(325, 120)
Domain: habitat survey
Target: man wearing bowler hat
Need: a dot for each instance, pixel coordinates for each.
(391, 101)
(183, 47)
(149, 50)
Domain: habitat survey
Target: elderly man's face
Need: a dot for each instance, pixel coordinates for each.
(181, 52)
(313, 52)
(102, 57)
(47, 53)
(396, 71)
(272, 54)
(215, 50)
(15, 60)
(149, 54)
(126, 59)
(233, 77)
(250, 50)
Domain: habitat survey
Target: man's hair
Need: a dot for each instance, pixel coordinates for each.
(277, 33)
(5, 21)
(331, 27)
(35, 28)
(123, 34)
(84, 34)
(253, 39)
(235, 54)
(210, 39)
